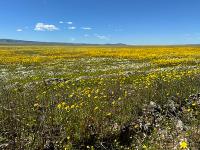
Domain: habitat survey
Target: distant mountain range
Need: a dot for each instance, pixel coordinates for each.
(23, 42)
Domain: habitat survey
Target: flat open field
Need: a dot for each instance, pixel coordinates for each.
(91, 97)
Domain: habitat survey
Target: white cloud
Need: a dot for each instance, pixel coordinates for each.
(102, 37)
(61, 22)
(71, 28)
(45, 27)
(86, 28)
(69, 22)
(19, 30)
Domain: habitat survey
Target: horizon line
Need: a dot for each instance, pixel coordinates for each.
(82, 43)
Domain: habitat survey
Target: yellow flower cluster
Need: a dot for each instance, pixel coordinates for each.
(68, 108)
(162, 56)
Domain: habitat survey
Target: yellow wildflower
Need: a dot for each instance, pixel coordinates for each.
(59, 106)
(109, 114)
(113, 103)
(66, 107)
(63, 103)
(144, 147)
(193, 104)
(96, 108)
(70, 96)
(183, 145)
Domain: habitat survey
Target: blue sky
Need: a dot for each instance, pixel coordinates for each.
(102, 21)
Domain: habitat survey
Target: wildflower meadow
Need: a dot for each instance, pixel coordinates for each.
(99, 97)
